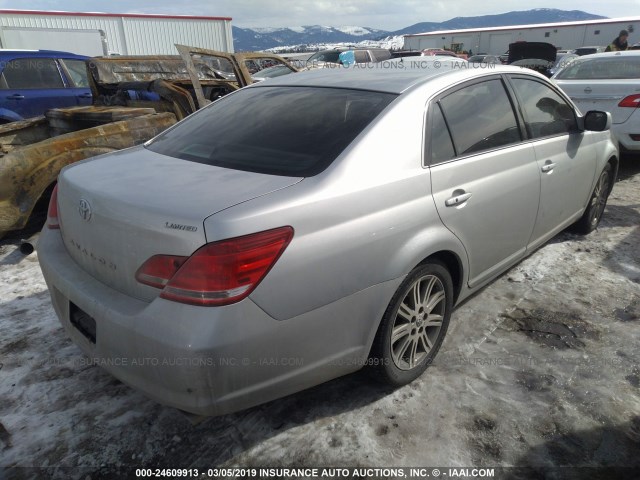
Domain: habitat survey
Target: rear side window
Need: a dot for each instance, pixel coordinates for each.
(32, 73)
(480, 117)
(620, 67)
(77, 70)
(440, 140)
(291, 131)
(546, 113)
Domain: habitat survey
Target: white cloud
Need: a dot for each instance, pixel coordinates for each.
(381, 14)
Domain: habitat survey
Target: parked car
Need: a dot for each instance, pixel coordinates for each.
(361, 55)
(562, 60)
(538, 56)
(405, 53)
(277, 239)
(588, 50)
(272, 72)
(488, 59)
(33, 81)
(431, 62)
(437, 51)
(607, 81)
(135, 98)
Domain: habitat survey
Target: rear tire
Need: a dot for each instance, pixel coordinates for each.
(598, 201)
(414, 325)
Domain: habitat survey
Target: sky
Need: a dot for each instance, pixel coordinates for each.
(381, 14)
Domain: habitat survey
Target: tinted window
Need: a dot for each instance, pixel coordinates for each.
(77, 70)
(32, 73)
(441, 145)
(293, 131)
(327, 56)
(622, 67)
(546, 113)
(480, 117)
(362, 56)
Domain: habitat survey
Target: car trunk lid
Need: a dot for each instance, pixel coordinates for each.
(118, 211)
(601, 95)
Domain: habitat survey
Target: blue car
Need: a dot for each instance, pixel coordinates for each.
(33, 81)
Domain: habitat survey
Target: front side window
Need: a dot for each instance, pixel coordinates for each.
(290, 131)
(546, 113)
(32, 73)
(480, 117)
(77, 70)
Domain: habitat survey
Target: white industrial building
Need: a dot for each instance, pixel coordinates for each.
(106, 33)
(496, 40)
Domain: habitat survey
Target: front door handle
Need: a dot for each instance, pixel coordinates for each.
(547, 167)
(16, 96)
(458, 198)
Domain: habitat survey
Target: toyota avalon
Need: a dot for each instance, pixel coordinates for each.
(301, 228)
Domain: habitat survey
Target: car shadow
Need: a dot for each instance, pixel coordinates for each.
(238, 432)
(95, 411)
(629, 165)
(601, 453)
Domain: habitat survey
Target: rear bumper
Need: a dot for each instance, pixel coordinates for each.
(622, 132)
(211, 360)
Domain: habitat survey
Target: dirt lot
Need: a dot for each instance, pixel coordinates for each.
(541, 368)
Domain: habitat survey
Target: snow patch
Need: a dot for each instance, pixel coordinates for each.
(353, 30)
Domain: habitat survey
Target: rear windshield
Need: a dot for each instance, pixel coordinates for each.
(290, 131)
(328, 56)
(622, 67)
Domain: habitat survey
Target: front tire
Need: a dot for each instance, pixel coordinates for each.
(598, 201)
(414, 325)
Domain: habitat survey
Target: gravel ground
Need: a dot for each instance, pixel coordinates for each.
(541, 368)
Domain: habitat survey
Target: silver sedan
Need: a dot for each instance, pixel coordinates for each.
(304, 227)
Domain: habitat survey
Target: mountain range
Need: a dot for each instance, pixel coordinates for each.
(251, 39)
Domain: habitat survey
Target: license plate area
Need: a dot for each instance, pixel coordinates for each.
(83, 322)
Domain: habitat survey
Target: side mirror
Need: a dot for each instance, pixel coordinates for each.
(596, 121)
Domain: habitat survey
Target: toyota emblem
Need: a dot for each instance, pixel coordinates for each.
(85, 210)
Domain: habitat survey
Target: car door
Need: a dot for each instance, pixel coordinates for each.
(567, 164)
(33, 85)
(485, 180)
(76, 74)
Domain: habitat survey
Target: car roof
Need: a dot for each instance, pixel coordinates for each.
(625, 53)
(392, 79)
(4, 53)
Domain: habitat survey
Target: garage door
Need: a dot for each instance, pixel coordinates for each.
(499, 43)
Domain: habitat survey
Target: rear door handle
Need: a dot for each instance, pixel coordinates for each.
(547, 167)
(459, 197)
(85, 95)
(16, 96)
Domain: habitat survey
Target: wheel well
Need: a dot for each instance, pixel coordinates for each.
(454, 266)
(38, 214)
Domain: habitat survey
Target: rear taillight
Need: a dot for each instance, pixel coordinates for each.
(632, 101)
(158, 270)
(52, 213)
(219, 273)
